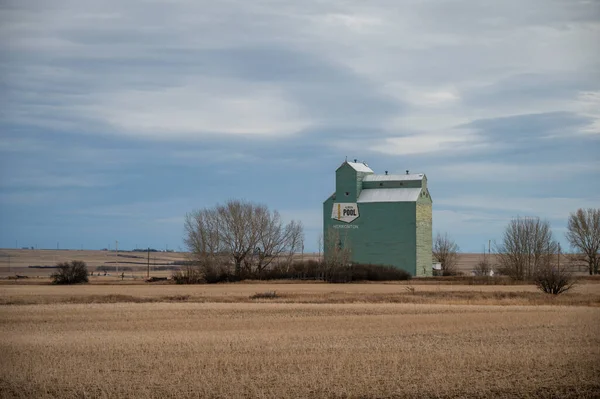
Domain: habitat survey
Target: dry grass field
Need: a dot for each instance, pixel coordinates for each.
(409, 339)
(18, 261)
(264, 350)
(586, 293)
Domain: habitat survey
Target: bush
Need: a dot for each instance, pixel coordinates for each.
(222, 274)
(187, 276)
(74, 272)
(369, 272)
(309, 270)
(553, 280)
(265, 295)
(313, 270)
(208, 274)
(482, 268)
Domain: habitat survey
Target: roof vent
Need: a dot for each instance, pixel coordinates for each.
(406, 171)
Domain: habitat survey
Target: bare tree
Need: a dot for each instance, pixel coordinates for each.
(320, 245)
(445, 251)
(74, 272)
(552, 278)
(483, 266)
(204, 243)
(583, 233)
(237, 230)
(526, 246)
(202, 235)
(275, 240)
(337, 253)
(248, 234)
(294, 243)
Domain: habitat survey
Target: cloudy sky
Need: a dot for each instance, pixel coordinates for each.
(119, 116)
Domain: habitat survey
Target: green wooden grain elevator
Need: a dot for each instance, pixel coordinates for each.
(381, 219)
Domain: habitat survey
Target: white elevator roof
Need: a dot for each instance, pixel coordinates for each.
(413, 176)
(360, 167)
(389, 195)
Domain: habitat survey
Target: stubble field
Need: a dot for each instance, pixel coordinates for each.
(41, 292)
(313, 340)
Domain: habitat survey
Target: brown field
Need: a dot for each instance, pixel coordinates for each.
(413, 339)
(265, 350)
(18, 261)
(20, 292)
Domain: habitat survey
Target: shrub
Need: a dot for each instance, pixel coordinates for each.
(265, 295)
(188, 275)
(553, 280)
(483, 267)
(222, 274)
(74, 272)
(309, 270)
(367, 272)
(209, 274)
(382, 273)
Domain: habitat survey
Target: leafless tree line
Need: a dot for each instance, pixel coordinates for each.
(583, 233)
(527, 246)
(247, 235)
(445, 251)
(338, 253)
(528, 250)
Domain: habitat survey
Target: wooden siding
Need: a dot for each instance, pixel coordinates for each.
(424, 237)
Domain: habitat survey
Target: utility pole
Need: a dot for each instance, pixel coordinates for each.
(148, 274)
(9, 263)
(558, 256)
(117, 255)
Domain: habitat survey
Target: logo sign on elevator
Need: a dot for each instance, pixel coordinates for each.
(345, 212)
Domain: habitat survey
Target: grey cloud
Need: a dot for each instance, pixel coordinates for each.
(536, 139)
(490, 15)
(529, 127)
(529, 88)
(332, 61)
